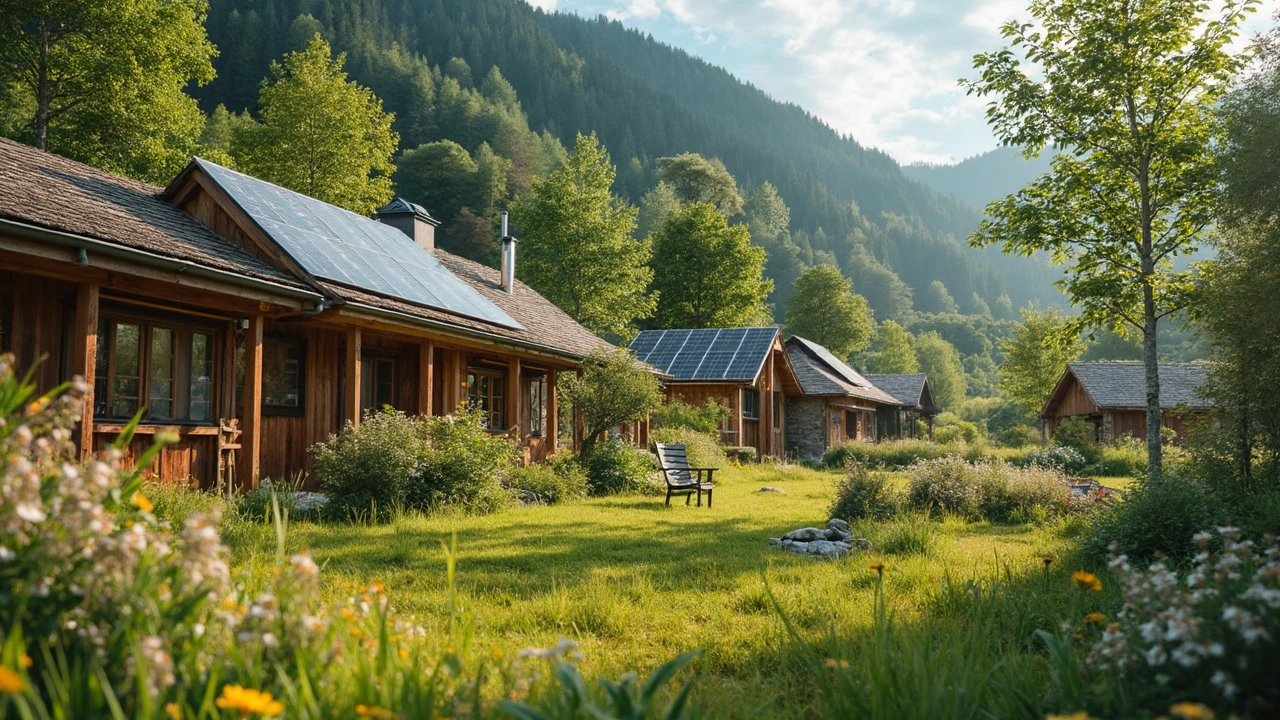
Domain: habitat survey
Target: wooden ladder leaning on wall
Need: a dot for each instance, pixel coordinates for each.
(228, 443)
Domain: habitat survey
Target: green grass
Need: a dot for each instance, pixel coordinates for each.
(637, 583)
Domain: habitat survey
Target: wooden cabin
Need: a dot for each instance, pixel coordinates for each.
(1112, 397)
(836, 405)
(746, 369)
(251, 320)
(915, 402)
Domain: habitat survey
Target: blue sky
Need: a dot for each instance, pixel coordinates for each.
(883, 71)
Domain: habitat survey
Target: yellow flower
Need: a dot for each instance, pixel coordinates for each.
(1094, 618)
(248, 702)
(37, 406)
(1191, 711)
(373, 711)
(347, 613)
(141, 502)
(1081, 715)
(1087, 581)
(27, 661)
(10, 681)
(377, 588)
(404, 654)
(173, 710)
(497, 654)
(878, 567)
(834, 663)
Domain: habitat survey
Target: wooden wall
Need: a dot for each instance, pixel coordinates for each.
(39, 322)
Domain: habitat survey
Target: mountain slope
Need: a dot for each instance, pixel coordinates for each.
(981, 179)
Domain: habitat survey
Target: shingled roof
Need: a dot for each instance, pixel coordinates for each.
(821, 374)
(1123, 385)
(54, 193)
(910, 390)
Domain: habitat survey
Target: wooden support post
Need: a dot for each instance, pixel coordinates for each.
(426, 376)
(766, 405)
(553, 417)
(512, 410)
(251, 400)
(579, 431)
(459, 383)
(351, 401)
(85, 359)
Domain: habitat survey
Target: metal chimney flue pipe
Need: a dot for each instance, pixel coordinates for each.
(508, 258)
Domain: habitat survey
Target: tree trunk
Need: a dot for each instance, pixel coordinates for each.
(1152, 363)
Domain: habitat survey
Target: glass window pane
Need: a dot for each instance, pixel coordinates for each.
(282, 372)
(160, 405)
(384, 379)
(127, 349)
(125, 397)
(101, 367)
(201, 382)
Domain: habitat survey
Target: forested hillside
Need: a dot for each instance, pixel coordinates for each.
(430, 61)
(980, 179)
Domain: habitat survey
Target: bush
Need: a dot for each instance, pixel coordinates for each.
(863, 494)
(368, 467)
(742, 454)
(255, 505)
(893, 454)
(950, 484)
(948, 428)
(1078, 435)
(704, 449)
(1124, 457)
(560, 479)
(1057, 457)
(174, 503)
(912, 534)
(616, 468)
(464, 466)
(992, 491)
(1018, 436)
(1155, 520)
(704, 418)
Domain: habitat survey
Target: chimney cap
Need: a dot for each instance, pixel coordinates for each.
(400, 206)
(509, 238)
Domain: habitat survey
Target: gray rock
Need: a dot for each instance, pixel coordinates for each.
(767, 489)
(826, 549)
(775, 542)
(806, 534)
(838, 524)
(843, 545)
(798, 548)
(833, 535)
(862, 543)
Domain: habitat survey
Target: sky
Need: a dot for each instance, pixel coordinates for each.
(883, 71)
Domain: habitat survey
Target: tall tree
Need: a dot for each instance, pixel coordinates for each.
(439, 176)
(613, 390)
(101, 81)
(942, 364)
(767, 215)
(825, 309)
(696, 179)
(1127, 89)
(655, 207)
(578, 250)
(706, 273)
(892, 353)
(936, 299)
(320, 134)
(1036, 356)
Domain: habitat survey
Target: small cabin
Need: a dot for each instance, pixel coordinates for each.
(836, 403)
(252, 321)
(914, 403)
(1112, 397)
(746, 369)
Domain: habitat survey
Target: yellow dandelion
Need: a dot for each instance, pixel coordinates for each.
(1080, 715)
(404, 654)
(878, 567)
(1087, 581)
(10, 681)
(141, 502)
(373, 711)
(1191, 711)
(27, 661)
(248, 702)
(1094, 617)
(173, 710)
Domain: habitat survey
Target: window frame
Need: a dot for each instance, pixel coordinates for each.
(474, 374)
(753, 403)
(273, 410)
(183, 330)
(371, 377)
(536, 424)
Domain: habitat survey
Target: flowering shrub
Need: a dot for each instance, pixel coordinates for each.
(1057, 457)
(368, 466)
(616, 468)
(994, 491)
(1211, 636)
(862, 494)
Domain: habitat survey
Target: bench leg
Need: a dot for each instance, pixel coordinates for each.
(699, 497)
(668, 497)
(709, 499)
(686, 499)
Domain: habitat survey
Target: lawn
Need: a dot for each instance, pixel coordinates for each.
(637, 583)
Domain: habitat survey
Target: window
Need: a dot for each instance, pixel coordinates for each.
(537, 406)
(751, 403)
(282, 372)
(377, 382)
(168, 370)
(485, 393)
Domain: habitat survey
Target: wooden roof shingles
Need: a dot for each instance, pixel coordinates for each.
(909, 389)
(818, 378)
(1123, 385)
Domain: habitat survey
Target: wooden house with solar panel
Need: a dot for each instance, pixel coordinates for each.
(746, 369)
(837, 404)
(253, 321)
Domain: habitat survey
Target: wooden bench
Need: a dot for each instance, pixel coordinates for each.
(673, 460)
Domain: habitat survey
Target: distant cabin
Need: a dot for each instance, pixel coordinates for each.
(746, 369)
(915, 402)
(837, 404)
(1112, 397)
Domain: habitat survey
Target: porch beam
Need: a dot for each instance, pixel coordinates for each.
(85, 359)
(250, 462)
(512, 399)
(426, 376)
(351, 400)
(553, 418)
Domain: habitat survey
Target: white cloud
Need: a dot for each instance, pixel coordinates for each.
(544, 5)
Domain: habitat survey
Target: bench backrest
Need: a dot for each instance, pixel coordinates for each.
(674, 460)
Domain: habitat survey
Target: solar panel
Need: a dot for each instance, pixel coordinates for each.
(708, 355)
(844, 371)
(344, 247)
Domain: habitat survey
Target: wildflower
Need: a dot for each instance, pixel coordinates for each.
(1094, 617)
(1087, 581)
(404, 654)
(173, 710)
(497, 654)
(27, 661)
(37, 406)
(878, 567)
(1191, 711)
(10, 681)
(834, 663)
(141, 502)
(248, 702)
(1079, 715)
(373, 711)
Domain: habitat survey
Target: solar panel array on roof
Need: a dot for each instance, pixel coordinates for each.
(850, 375)
(711, 355)
(344, 247)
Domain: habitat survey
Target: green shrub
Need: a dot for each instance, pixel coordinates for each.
(1079, 436)
(998, 492)
(560, 479)
(255, 505)
(1058, 457)
(464, 466)
(704, 418)
(950, 484)
(616, 468)
(369, 466)
(896, 453)
(174, 503)
(862, 494)
(911, 534)
(1124, 457)
(703, 448)
(1018, 436)
(948, 428)
(1155, 520)
(742, 454)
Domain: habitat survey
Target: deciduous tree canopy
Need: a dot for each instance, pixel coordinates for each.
(825, 309)
(1036, 356)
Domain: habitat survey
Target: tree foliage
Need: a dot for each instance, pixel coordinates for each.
(578, 250)
(320, 134)
(892, 351)
(825, 309)
(1126, 90)
(696, 179)
(103, 81)
(942, 364)
(707, 273)
(613, 390)
(1036, 356)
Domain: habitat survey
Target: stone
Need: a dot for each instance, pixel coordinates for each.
(838, 524)
(806, 534)
(798, 548)
(826, 548)
(862, 543)
(767, 489)
(833, 534)
(775, 542)
(843, 545)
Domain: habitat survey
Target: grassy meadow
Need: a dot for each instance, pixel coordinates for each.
(637, 583)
